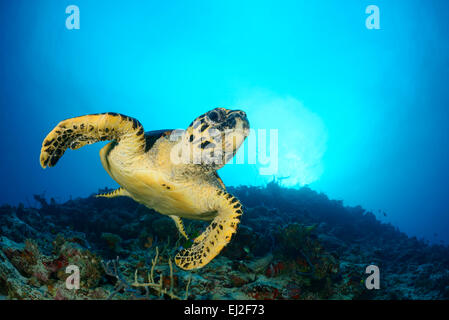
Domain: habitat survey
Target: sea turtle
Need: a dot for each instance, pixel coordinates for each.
(173, 172)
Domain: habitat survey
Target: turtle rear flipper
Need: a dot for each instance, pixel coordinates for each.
(180, 226)
(77, 132)
(120, 192)
(216, 236)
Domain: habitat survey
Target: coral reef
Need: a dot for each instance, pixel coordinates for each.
(291, 244)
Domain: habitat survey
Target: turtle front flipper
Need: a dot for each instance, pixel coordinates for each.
(77, 132)
(216, 236)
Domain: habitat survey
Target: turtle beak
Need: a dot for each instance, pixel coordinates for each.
(241, 119)
(240, 113)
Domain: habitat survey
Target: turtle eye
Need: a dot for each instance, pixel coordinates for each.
(215, 115)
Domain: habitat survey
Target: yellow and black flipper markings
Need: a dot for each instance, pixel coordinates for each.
(77, 132)
(216, 236)
(180, 226)
(220, 182)
(120, 192)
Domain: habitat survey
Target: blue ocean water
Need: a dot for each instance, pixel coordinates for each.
(361, 114)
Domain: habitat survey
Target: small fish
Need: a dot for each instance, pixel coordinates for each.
(186, 244)
(310, 228)
(246, 249)
(149, 242)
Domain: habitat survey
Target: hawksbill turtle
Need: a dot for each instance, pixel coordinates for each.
(171, 171)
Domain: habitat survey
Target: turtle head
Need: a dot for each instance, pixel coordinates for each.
(215, 136)
(221, 120)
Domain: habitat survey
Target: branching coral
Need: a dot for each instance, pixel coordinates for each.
(112, 268)
(159, 287)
